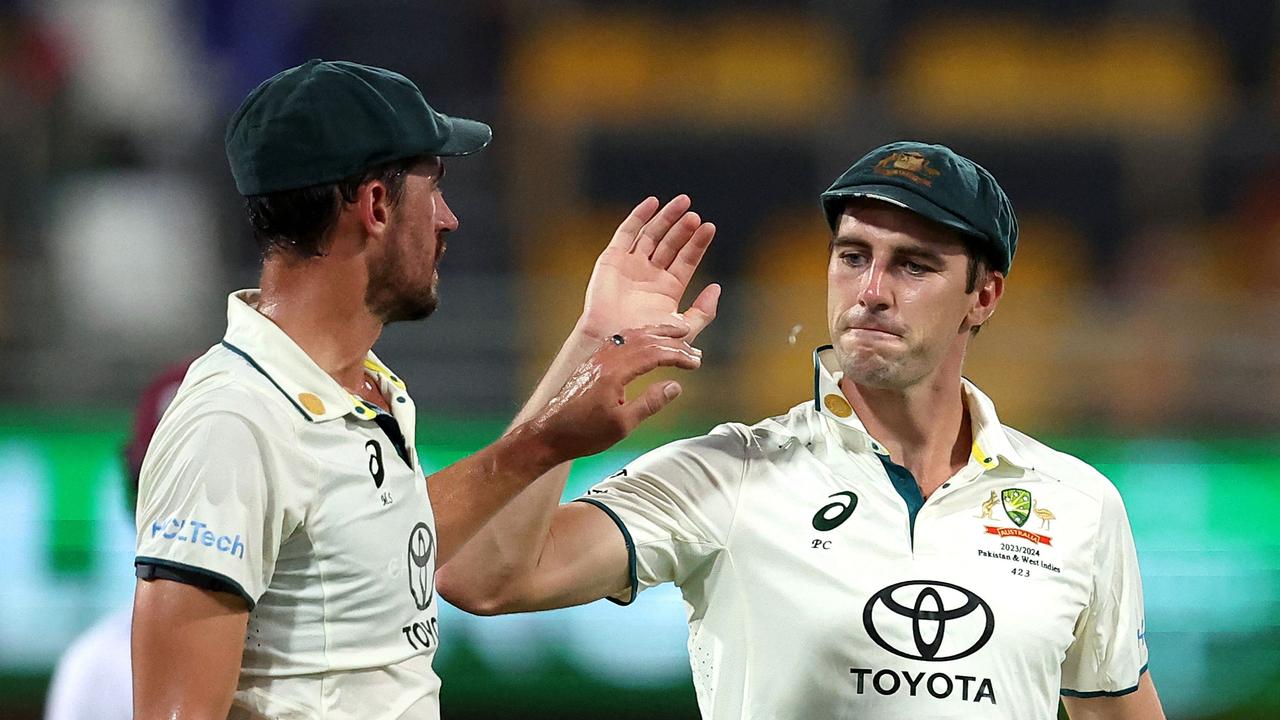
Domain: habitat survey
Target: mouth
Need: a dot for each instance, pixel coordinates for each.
(870, 331)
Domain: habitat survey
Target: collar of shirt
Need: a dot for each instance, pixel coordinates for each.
(308, 387)
(991, 444)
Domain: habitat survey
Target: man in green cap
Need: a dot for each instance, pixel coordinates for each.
(886, 549)
(287, 536)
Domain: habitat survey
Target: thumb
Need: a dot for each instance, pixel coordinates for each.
(702, 311)
(654, 398)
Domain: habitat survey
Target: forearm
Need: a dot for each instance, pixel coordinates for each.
(637, 282)
(511, 543)
(576, 348)
(468, 493)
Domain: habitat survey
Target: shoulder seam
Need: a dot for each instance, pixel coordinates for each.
(746, 438)
(243, 390)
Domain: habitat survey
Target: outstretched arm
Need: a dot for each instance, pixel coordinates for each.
(639, 279)
(588, 415)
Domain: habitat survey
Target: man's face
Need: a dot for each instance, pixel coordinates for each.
(896, 302)
(403, 278)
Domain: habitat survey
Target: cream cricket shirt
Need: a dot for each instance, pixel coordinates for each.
(267, 479)
(819, 584)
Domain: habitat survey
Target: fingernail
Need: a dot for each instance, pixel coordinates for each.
(672, 390)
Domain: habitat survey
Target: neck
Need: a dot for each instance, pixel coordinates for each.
(925, 427)
(319, 303)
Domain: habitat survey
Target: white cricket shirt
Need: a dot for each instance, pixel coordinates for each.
(267, 478)
(819, 584)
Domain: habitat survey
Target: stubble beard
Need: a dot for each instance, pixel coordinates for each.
(392, 295)
(870, 369)
(410, 306)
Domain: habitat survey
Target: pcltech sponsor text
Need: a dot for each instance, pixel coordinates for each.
(198, 533)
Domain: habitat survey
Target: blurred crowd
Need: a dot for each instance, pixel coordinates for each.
(1138, 142)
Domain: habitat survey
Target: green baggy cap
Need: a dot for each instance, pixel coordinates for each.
(324, 121)
(937, 183)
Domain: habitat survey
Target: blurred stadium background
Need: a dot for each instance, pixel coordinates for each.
(1138, 141)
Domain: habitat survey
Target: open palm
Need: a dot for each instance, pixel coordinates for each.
(641, 276)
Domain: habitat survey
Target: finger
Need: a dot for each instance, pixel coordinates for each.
(653, 399)
(659, 224)
(634, 337)
(690, 255)
(702, 311)
(675, 329)
(675, 239)
(660, 352)
(625, 236)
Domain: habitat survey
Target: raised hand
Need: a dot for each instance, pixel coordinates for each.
(641, 276)
(591, 412)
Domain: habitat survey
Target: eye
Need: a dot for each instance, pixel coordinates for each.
(915, 268)
(853, 259)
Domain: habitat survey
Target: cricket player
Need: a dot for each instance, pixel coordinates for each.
(887, 549)
(287, 536)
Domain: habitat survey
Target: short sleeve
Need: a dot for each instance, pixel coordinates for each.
(675, 505)
(1109, 652)
(205, 506)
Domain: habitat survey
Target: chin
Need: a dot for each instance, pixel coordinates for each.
(410, 314)
(871, 370)
(881, 377)
(408, 308)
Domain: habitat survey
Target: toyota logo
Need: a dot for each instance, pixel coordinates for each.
(928, 620)
(422, 565)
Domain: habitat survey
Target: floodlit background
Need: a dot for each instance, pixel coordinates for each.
(1141, 327)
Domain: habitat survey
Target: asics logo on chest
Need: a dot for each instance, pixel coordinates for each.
(832, 515)
(375, 462)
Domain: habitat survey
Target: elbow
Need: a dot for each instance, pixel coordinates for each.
(471, 596)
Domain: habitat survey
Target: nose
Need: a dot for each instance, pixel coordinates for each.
(445, 219)
(876, 294)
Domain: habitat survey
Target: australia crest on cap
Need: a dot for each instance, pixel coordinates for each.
(910, 165)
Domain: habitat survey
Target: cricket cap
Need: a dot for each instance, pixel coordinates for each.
(323, 121)
(937, 183)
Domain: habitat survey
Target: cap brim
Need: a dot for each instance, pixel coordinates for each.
(833, 204)
(468, 136)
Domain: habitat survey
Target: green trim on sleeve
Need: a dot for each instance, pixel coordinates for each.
(1105, 693)
(191, 575)
(631, 549)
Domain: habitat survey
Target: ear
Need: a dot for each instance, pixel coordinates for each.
(986, 297)
(373, 208)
